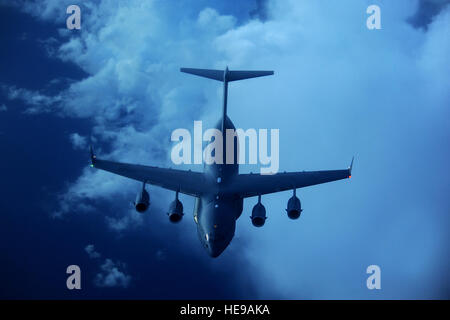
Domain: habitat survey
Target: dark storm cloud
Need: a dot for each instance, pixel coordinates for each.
(260, 11)
(426, 11)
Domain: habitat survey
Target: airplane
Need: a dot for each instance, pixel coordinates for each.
(220, 189)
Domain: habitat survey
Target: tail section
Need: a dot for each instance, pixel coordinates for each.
(226, 75)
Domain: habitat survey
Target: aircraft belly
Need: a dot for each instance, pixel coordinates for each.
(216, 222)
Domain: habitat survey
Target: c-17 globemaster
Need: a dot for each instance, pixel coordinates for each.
(220, 190)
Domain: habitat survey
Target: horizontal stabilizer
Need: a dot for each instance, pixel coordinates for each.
(206, 73)
(227, 75)
(240, 75)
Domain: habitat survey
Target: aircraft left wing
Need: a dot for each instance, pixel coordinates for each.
(187, 182)
(250, 185)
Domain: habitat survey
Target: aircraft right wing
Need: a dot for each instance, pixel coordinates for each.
(250, 185)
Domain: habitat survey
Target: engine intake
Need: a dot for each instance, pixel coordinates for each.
(175, 212)
(258, 214)
(142, 201)
(294, 207)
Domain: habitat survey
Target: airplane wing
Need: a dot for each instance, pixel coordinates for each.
(250, 185)
(187, 182)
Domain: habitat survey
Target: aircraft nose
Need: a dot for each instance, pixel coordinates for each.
(214, 249)
(214, 253)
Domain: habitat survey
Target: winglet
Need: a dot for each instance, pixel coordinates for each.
(93, 157)
(350, 168)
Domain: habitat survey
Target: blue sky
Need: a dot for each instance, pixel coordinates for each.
(338, 90)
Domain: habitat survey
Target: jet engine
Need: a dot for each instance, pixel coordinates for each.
(258, 214)
(142, 200)
(294, 207)
(175, 212)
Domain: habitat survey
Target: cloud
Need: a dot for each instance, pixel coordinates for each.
(3, 107)
(426, 12)
(338, 89)
(50, 45)
(78, 142)
(209, 17)
(36, 101)
(130, 220)
(260, 11)
(343, 89)
(111, 273)
(133, 94)
(90, 250)
(112, 276)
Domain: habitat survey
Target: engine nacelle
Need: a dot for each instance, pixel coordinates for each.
(175, 212)
(258, 215)
(294, 207)
(142, 201)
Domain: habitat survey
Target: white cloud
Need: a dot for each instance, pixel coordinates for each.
(210, 18)
(3, 107)
(78, 142)
(130, 220)
(111, 275)
(90, 250)
(36, 101)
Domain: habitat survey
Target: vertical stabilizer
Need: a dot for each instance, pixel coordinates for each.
(226, 76)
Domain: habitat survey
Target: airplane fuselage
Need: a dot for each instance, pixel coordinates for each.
(216, 212)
